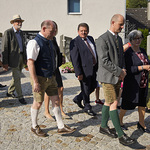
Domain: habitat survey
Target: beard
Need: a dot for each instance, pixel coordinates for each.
(18, 27)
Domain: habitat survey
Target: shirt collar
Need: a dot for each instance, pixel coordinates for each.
(41, 34)
(15, 30)
(113, 33)
(85, 39)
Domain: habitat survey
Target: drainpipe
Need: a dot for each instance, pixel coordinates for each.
(148, 10)
(148, 37)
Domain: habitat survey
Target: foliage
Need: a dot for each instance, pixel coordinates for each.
(149, 59)
(136, 3)
(127, 3)
(145, 33)
(67, 67)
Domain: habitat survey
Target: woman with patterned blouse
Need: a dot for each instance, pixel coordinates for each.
(135, 86)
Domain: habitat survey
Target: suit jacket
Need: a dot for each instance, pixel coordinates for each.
(81, 57)
(109, 67)
(132, 80)
(10, 48)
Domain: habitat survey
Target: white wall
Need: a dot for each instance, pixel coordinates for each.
(96, 13)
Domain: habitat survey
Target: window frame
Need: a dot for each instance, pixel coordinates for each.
(74, 13)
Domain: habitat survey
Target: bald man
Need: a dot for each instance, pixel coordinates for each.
(110, 74)
(41, 64)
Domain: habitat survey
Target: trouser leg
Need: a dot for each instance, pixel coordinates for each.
(85, 93)
(16, 79)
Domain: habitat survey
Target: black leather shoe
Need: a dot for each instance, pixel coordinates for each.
(11, 95)
(124, 127)
(107, 131)
(118, 107)
(147, 110)
(2, 86)
(142, 129)
(125, 140)
(90, 112)
(22, 101)
(78, 103)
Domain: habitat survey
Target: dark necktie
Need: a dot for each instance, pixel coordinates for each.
(88, 45)
(117, 45)
(117, 42)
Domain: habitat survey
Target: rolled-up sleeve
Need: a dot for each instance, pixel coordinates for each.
(32, 50)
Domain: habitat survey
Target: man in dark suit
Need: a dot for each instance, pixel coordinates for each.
(110, 74)
(14, 56)
(84, 59)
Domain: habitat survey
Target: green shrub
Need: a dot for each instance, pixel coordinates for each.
(145, 33)
(67, 64)
(67, 67)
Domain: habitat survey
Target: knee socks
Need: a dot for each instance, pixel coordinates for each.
(34, 114)
(57, 113)
(116, 122)
(105, 116)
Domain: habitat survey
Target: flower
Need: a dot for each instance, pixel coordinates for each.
(67, 70)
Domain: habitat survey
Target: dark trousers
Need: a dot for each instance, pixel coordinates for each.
(88, 85)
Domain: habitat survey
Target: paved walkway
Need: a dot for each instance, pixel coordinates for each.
(15, 123)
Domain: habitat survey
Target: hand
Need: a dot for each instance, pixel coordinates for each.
(80, 77)
(37, 87)
(63, 60)
(146, 67)
(1, 63)
(5, 67)
(123, 74)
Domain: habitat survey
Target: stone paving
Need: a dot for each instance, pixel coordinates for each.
(15, 123)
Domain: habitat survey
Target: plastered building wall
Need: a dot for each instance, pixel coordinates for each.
(97, 13)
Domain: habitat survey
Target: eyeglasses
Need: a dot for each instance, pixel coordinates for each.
(139, 38)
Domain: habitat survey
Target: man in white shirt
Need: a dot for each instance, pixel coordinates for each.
(41, 62)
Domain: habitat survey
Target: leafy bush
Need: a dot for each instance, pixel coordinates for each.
(67, 68)
(145, 33)
(136, 3)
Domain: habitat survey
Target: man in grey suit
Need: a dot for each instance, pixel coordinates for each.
(110, 74)
(14, 56)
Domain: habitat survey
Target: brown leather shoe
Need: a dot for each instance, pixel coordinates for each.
(66, 130)
(69, 127)
(38, 131)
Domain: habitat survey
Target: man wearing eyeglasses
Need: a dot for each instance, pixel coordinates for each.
(14, 56)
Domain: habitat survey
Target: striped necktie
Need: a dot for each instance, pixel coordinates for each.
(88, 45)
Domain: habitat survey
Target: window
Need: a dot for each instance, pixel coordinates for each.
(74, 6)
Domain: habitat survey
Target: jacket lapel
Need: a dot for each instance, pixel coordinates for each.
(14, 35)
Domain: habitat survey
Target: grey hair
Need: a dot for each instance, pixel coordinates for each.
(133, 34)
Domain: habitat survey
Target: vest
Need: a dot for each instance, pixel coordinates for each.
(45, 60)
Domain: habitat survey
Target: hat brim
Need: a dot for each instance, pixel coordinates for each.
(12, 21)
